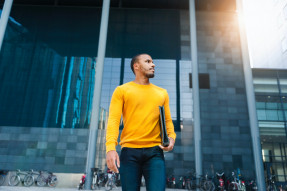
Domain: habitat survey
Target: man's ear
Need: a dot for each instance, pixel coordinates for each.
(136, 66)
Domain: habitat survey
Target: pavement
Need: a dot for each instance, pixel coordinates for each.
(35, 188)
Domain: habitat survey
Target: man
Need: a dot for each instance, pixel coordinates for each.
(138, 102)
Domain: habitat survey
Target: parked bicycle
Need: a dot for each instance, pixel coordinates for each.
(102, 178)
(170, 181)
(181, 182)
(15, 179)
(191, 181)
(47, 178)
(205, 183)
(251, 185)
(82, 182)
(221, 180)
(236, 184)
(271, 186)
(3, 174)
(29, 178)
(111, 183)
(95, 181)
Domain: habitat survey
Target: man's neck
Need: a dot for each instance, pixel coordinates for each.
(142, 81)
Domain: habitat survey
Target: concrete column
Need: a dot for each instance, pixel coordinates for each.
(195, 89)
(4, 19)
(257, 151)
(97, 93)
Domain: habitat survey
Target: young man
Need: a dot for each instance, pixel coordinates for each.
(138, 102)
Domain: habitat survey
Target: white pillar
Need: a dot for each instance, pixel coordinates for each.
(195, 89)
(4, 19)
(97, 93)
(257, 151)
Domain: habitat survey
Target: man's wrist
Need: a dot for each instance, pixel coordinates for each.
(171, 140)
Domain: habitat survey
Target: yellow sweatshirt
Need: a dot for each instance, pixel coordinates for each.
(138, 104)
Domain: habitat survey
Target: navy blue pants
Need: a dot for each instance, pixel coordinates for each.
(148, 162)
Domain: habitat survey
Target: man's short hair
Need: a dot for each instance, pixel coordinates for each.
(134, 60)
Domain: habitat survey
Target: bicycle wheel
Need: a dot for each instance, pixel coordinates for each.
(53, 181)
(14, 180)
(28, 180)
(41, 180)
(209, 186)
(201, 184)
(232, 186)
(109, 185)
(94, 182)
(188, 185)
(2, 180)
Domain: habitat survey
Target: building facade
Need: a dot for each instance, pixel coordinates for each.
(47, 69)
(271, 104)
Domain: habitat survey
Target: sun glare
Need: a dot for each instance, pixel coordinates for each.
(261, 26)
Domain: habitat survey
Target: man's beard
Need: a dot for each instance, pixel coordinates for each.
(149, 75)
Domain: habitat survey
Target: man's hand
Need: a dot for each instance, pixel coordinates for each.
(113, 158)
(170, 146)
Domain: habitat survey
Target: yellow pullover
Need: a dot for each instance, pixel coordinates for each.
(139, 106)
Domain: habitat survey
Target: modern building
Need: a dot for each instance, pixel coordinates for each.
(48, 64)
(271, 103)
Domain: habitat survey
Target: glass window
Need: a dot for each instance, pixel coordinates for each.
(260, 105)
(265, 85)
(272, 115)
(261, 114)
(272, 105)
(111, 79)
(185, 91)
(48, 66)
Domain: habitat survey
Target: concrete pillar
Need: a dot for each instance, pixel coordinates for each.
(195, 89)
(4, 19)
(257, 151)
(97, 93)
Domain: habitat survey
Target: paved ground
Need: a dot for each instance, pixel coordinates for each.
(34, 188)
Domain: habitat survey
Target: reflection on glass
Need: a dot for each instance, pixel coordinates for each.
(111, 79)
(41, 88)
(185, 91)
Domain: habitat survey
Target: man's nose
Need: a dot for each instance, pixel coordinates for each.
(152, 65)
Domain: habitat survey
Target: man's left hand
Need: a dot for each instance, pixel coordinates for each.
(170, 146)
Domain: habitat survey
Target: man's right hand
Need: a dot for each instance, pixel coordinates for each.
(113, 161)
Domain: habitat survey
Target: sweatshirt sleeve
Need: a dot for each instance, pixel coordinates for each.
(115, 113)
(168, 120)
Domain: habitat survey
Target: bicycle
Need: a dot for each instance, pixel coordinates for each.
(251, 185)
(95, 180)
(221, 181)
(191, 181)
(271, 183)
(3, 174)
(205, 184)
(82, 182)
(15, 179)
(236, 184)
(47, 178)
(29, 178)
(111, 183)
